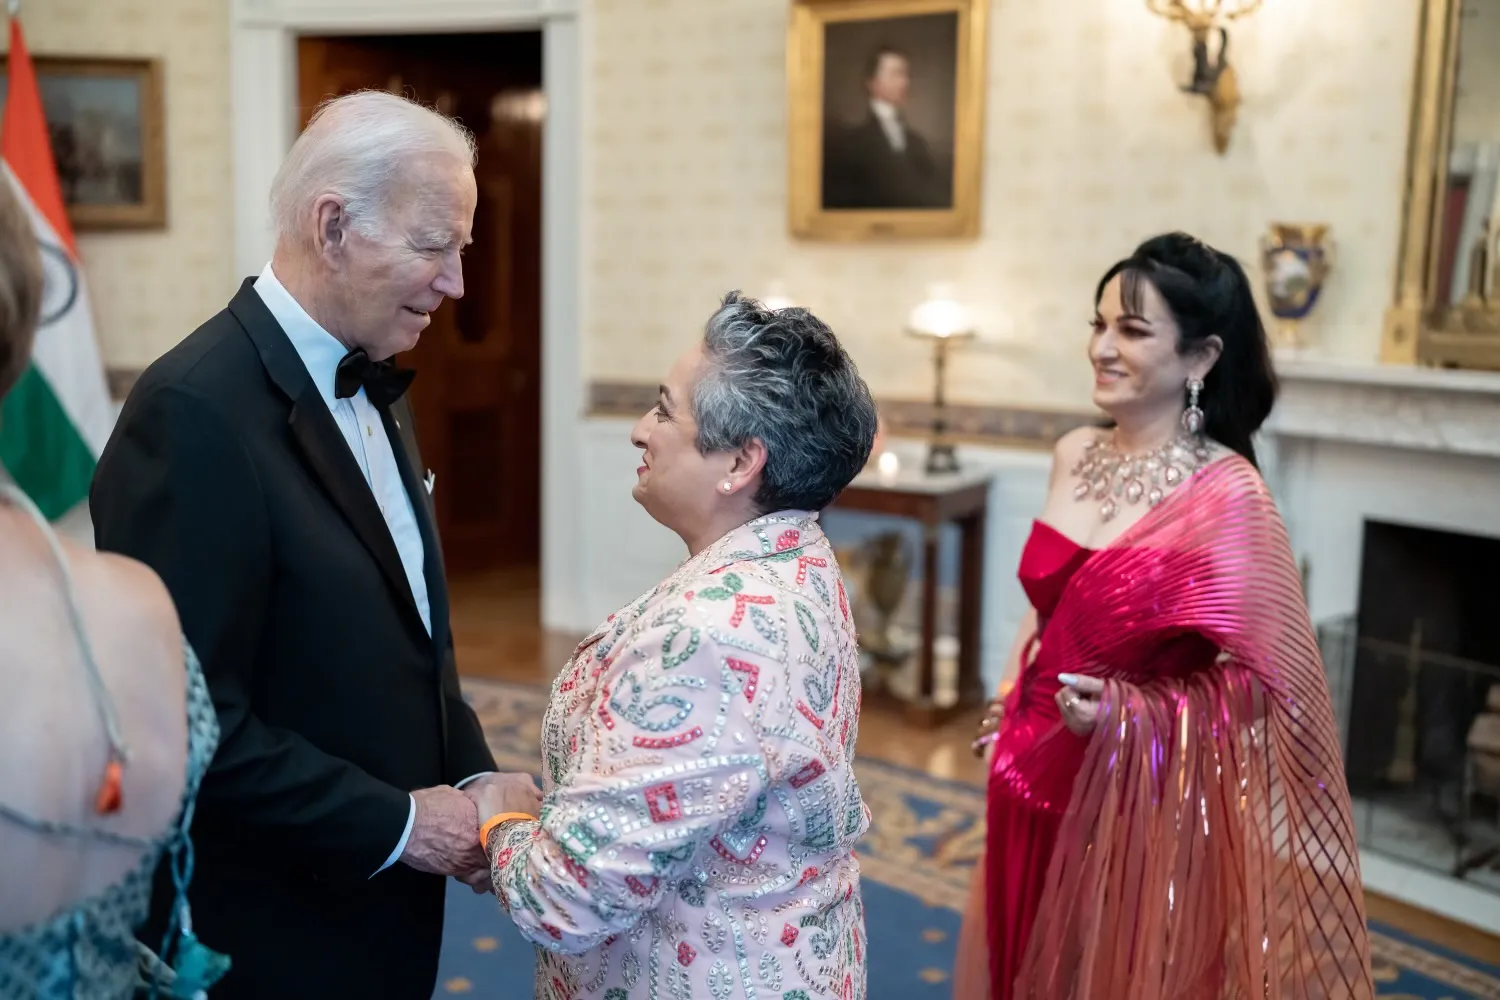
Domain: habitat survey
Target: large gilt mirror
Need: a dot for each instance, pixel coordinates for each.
(1447, 307)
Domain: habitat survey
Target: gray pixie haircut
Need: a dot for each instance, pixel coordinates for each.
(780, 376)
(355, 146)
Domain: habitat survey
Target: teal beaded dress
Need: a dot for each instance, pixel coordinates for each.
(89, 951)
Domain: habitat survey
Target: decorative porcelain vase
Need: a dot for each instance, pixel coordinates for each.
(1296, 258)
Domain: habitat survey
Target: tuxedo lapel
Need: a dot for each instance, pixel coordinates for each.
(403, 438)
(322, 444)
(329, 455)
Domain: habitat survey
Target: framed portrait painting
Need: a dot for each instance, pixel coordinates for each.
(105, 120)
(886, 118)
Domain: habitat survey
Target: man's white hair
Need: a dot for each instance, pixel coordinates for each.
(355, 146)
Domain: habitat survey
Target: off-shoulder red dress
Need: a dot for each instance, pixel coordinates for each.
(1199, 843)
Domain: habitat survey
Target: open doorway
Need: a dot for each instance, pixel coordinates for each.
(477, 397)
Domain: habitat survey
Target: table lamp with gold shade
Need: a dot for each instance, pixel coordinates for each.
(943, 320)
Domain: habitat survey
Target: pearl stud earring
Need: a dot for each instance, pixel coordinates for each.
(728, 486)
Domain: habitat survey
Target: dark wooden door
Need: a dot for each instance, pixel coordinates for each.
(477, 397)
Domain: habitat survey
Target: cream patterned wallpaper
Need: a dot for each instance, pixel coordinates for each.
(1089, 148)
(151, 288)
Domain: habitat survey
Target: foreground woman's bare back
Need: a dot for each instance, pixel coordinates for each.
(53, 746)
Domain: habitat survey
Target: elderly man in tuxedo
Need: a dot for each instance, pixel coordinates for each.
(267, 469)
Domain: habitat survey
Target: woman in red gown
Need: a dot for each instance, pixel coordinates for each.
(1167, 811)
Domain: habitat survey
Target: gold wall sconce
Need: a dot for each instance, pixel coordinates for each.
(1212, 78)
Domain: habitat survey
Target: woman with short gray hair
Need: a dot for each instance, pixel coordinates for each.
(700, 808)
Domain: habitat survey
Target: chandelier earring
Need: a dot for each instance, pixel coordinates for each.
(1192, 417)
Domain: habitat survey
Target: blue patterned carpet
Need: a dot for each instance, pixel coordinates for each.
(916, 862)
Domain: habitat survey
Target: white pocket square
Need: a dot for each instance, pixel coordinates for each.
(430, 481)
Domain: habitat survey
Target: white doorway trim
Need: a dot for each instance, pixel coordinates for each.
(264, 121)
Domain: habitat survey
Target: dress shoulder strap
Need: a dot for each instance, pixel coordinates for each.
(105, 704)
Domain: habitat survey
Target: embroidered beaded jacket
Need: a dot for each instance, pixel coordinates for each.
(700, 808)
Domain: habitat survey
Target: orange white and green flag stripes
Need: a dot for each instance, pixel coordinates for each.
(56, 420)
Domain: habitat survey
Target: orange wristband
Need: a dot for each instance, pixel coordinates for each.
(496, 820)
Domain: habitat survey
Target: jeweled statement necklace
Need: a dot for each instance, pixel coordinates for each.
(1113, 478)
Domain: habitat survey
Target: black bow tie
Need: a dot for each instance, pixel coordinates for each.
(383, 382)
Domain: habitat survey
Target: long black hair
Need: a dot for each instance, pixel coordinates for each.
(1209, 295)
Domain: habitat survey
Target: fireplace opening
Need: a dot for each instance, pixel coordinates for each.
(1422, 750)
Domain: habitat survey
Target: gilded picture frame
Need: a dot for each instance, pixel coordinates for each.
(886, 118)
(1422, 325)
(105, 117)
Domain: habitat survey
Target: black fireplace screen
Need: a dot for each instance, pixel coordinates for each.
(1422, 699)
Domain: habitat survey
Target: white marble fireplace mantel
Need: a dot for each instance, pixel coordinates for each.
(1392, 406)
(1348, 443)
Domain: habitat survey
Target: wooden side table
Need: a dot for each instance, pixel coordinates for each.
(937, 500)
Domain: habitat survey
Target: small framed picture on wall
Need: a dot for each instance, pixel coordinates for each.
(104, 117)
(886, 118)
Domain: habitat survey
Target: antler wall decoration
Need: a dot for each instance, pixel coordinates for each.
(1214, 79)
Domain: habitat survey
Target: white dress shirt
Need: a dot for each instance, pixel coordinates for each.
(364, 432)
(890, 123)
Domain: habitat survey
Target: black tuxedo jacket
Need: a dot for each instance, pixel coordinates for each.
(227, 474)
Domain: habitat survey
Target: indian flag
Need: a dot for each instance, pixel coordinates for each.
(56, 420)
